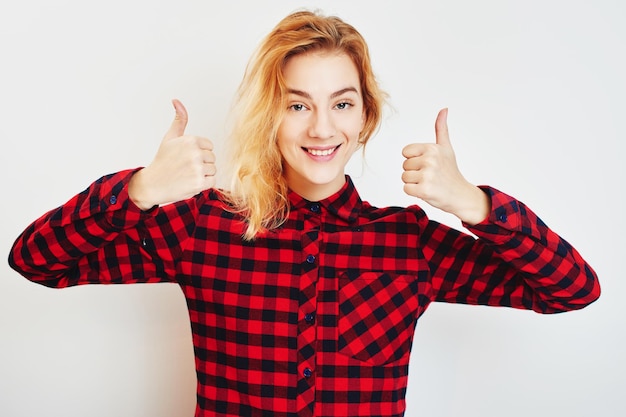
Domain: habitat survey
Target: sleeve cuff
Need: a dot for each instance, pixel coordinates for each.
(109, 196)
(504, 219)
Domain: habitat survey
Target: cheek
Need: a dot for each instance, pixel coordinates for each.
(282, 136)
(355, 127)
(287, 131)
(285, 146)
(280, 145)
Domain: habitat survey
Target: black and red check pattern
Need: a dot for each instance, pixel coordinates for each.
(315, 318)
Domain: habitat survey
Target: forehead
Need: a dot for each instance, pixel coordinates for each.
(321, 71)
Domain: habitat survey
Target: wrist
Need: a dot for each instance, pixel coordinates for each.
(476, 207)
(137, 191)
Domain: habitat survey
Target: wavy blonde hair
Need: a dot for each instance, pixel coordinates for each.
(258, 190)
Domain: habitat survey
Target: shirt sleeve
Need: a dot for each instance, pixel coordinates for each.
(517, 261)
(101, 237)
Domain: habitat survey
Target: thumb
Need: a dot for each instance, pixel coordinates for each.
(179, 124)
(441, 128)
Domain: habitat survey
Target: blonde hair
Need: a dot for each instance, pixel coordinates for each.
(258, 190)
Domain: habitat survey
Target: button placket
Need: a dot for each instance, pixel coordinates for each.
(315, 208)
(309, 318)
(308, 280)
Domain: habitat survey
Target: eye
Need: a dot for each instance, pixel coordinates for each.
(343, 105)
(297, 107)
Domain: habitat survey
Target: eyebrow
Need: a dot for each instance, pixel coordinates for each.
(333, 95)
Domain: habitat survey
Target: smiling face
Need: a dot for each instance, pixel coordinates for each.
(321, 127)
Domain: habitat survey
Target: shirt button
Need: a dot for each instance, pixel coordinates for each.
(113, 199)
(310, 259)
(309, 318)
(315, 208)
(502, 217)
(307, 373)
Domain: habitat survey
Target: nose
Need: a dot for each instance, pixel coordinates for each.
(322, 125)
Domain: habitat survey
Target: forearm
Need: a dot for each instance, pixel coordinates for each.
(53, 246)
(554, 269)
(517, 261)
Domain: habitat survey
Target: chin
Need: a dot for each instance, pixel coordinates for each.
(323, 180)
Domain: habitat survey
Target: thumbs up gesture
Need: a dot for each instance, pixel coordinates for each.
(183, 166)
(431, 174)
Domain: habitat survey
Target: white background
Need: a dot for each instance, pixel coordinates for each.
(536, 95)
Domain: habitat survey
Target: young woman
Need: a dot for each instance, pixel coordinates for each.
(303, 298)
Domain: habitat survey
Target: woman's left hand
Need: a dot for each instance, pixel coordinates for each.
(431, 174)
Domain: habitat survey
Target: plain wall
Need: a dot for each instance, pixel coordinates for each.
(536, 97)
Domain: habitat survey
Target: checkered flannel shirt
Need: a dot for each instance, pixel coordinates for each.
(317, 317)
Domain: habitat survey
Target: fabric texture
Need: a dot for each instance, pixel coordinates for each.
(317, 317)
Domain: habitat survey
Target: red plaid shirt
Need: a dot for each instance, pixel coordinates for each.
(317, 317)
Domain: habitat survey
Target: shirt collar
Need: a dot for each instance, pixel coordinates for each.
(345, 204)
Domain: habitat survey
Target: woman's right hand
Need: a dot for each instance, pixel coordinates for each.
(183, 166)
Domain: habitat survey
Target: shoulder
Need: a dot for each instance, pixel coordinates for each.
(412, 213)
(211, 202)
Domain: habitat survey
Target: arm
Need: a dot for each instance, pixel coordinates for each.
(113, 231)
(517, 260)
(101, 236)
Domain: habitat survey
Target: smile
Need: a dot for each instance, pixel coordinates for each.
(321, 152)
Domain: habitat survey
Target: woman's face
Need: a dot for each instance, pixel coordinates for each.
(321, 127)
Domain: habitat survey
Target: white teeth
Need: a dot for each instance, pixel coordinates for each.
(321, 152)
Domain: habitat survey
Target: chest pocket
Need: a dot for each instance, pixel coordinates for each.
(377, 316)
